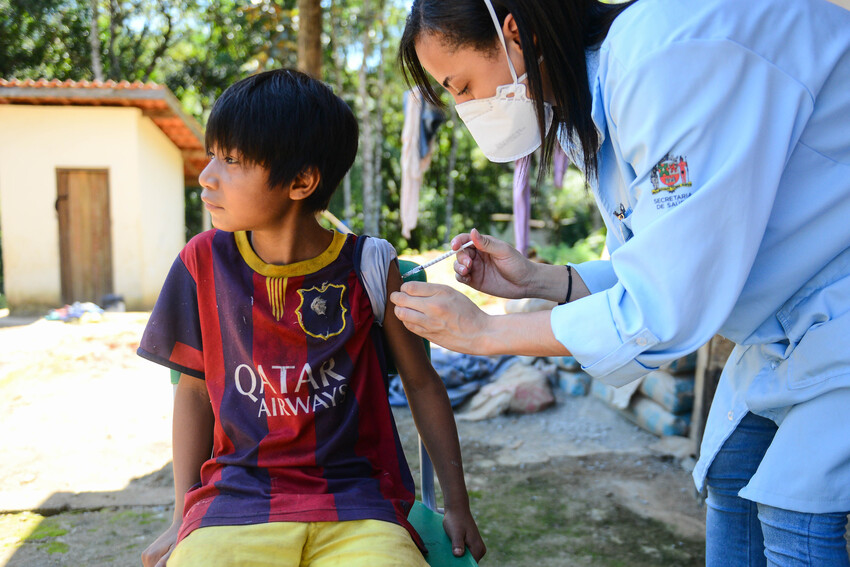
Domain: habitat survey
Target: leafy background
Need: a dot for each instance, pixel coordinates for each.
(199, 47)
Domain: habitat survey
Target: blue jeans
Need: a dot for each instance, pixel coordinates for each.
(743, 533)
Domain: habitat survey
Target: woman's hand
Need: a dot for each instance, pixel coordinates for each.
(157, 553)
(463, 532)
(442, 315)
(492, 266)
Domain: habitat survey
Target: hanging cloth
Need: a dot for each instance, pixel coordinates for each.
(522, 203)
(421, 121)
(560, 163)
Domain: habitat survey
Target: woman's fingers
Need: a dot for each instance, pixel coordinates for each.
(460, 240)
(409, 307)
(410, 317)
(461, 267)
(435, 312)
(487, 244)
(409, 291)
(417, 301)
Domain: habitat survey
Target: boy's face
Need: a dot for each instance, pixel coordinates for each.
(237, 195)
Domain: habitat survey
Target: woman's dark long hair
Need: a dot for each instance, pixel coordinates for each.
(564, 30)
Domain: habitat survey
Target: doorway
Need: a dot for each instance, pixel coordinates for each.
(85, 234)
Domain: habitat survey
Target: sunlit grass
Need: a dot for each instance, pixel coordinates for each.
(17, 528)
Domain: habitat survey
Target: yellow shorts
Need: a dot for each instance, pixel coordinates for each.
(367, 543)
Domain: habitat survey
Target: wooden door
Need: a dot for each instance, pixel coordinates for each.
(85, 235)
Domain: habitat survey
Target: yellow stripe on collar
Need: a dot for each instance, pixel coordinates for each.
(289, 270)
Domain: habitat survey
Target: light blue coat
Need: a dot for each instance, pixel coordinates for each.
(724, 182)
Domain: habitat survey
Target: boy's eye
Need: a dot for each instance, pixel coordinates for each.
(464, 91)
(228, 159)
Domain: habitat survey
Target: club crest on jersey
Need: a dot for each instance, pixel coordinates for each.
(670, 173)
(321, 313)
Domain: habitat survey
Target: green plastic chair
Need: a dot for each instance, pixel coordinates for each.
(425, 516)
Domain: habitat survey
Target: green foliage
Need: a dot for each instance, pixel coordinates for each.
(482, 189)
(199, 47)
(194, 212)
(46, 529)
(225, 41)
(581, 251)
(52, 547)
(44, 38)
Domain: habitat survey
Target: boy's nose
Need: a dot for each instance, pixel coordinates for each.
(207, 177)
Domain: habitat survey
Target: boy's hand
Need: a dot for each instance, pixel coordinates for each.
(157, 553)
(463, 532)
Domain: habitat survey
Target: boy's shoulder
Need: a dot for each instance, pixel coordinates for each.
(375, 251)
(199, 249)
(205, 241)
(201, 239)
(375, 242)
(373, 266)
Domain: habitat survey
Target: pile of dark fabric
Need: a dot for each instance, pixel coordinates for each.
(463, 375)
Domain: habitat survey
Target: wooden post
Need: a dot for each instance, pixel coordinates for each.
(711, 358)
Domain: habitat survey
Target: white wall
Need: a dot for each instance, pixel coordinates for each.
(162, 207)
(39, 139)
(843, 3)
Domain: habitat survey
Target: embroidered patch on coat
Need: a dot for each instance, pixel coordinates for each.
(321, 313)
(670, 173)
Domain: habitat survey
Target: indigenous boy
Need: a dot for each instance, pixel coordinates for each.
(271, 322)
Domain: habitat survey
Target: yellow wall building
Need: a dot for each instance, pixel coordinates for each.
(92, 180)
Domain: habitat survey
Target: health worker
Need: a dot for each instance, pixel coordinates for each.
(715, 137)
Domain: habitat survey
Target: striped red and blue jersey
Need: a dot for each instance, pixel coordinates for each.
(297, 382)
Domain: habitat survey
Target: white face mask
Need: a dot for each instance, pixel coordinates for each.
(505, 125)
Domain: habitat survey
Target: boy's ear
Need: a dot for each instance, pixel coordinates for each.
(304, 183)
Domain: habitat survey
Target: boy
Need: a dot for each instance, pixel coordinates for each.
(270, 320)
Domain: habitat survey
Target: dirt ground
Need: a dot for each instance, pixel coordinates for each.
(85, 477)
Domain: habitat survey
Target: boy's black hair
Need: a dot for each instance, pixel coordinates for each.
(286, 121)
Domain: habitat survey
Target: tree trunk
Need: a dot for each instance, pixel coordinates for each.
(94, 43)
(339, 76)
(367, 134)
(711, 358)
(379, 130)
(160, 50)
(114, 68)
(310, 37)
(450, 181)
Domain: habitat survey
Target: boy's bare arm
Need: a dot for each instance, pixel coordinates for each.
(191, 436)
(432, 413)
(192, 440)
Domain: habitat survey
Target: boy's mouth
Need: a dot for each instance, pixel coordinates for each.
(209, 206)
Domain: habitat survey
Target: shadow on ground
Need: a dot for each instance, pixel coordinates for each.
(89, 528)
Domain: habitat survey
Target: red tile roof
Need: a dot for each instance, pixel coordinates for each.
(155, 101)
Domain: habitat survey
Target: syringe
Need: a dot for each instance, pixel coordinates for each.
(439, 258)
